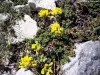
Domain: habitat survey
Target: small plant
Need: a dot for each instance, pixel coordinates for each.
(36, 46)
(47, 69)
(48, 46)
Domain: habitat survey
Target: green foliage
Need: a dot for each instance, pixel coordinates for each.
(54, 47)
(54, 42)
(93, 5)
(68, 16)
(5, 7)
(69, 11)
(2, 46)
(20, 2)
(94, 27)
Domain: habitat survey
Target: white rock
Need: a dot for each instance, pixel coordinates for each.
(3, 17)
(48, 4)
(24, 29)
(19, 6)
(23, 71)
(6, 74)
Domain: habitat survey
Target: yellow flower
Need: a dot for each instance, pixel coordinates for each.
(56, 11)
(43, 13)
(25, 61)
(48, 73)
(45, 65)
(9, 43)
(55, 28)
(33, 46)
(34, 63)
(43, 71)
(50, 70)
(36, 46)
(59, 31)
(51, 63)
(20, 66)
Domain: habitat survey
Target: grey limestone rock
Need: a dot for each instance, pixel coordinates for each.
(87, 60)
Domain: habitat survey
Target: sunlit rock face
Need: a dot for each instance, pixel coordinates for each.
(26, 28)
(87, 60)
(48, 4)
(23, 71)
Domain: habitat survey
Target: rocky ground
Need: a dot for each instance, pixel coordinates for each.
(19, 21)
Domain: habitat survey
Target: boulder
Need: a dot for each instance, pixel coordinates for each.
(87, 60)
(23, 71)
(26, 28)
(48, 4)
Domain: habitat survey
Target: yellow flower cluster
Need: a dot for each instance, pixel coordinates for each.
(47, 69)
(26, 61)
(56, 11)
(55, 28)
(36, 46)
(43, 13)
